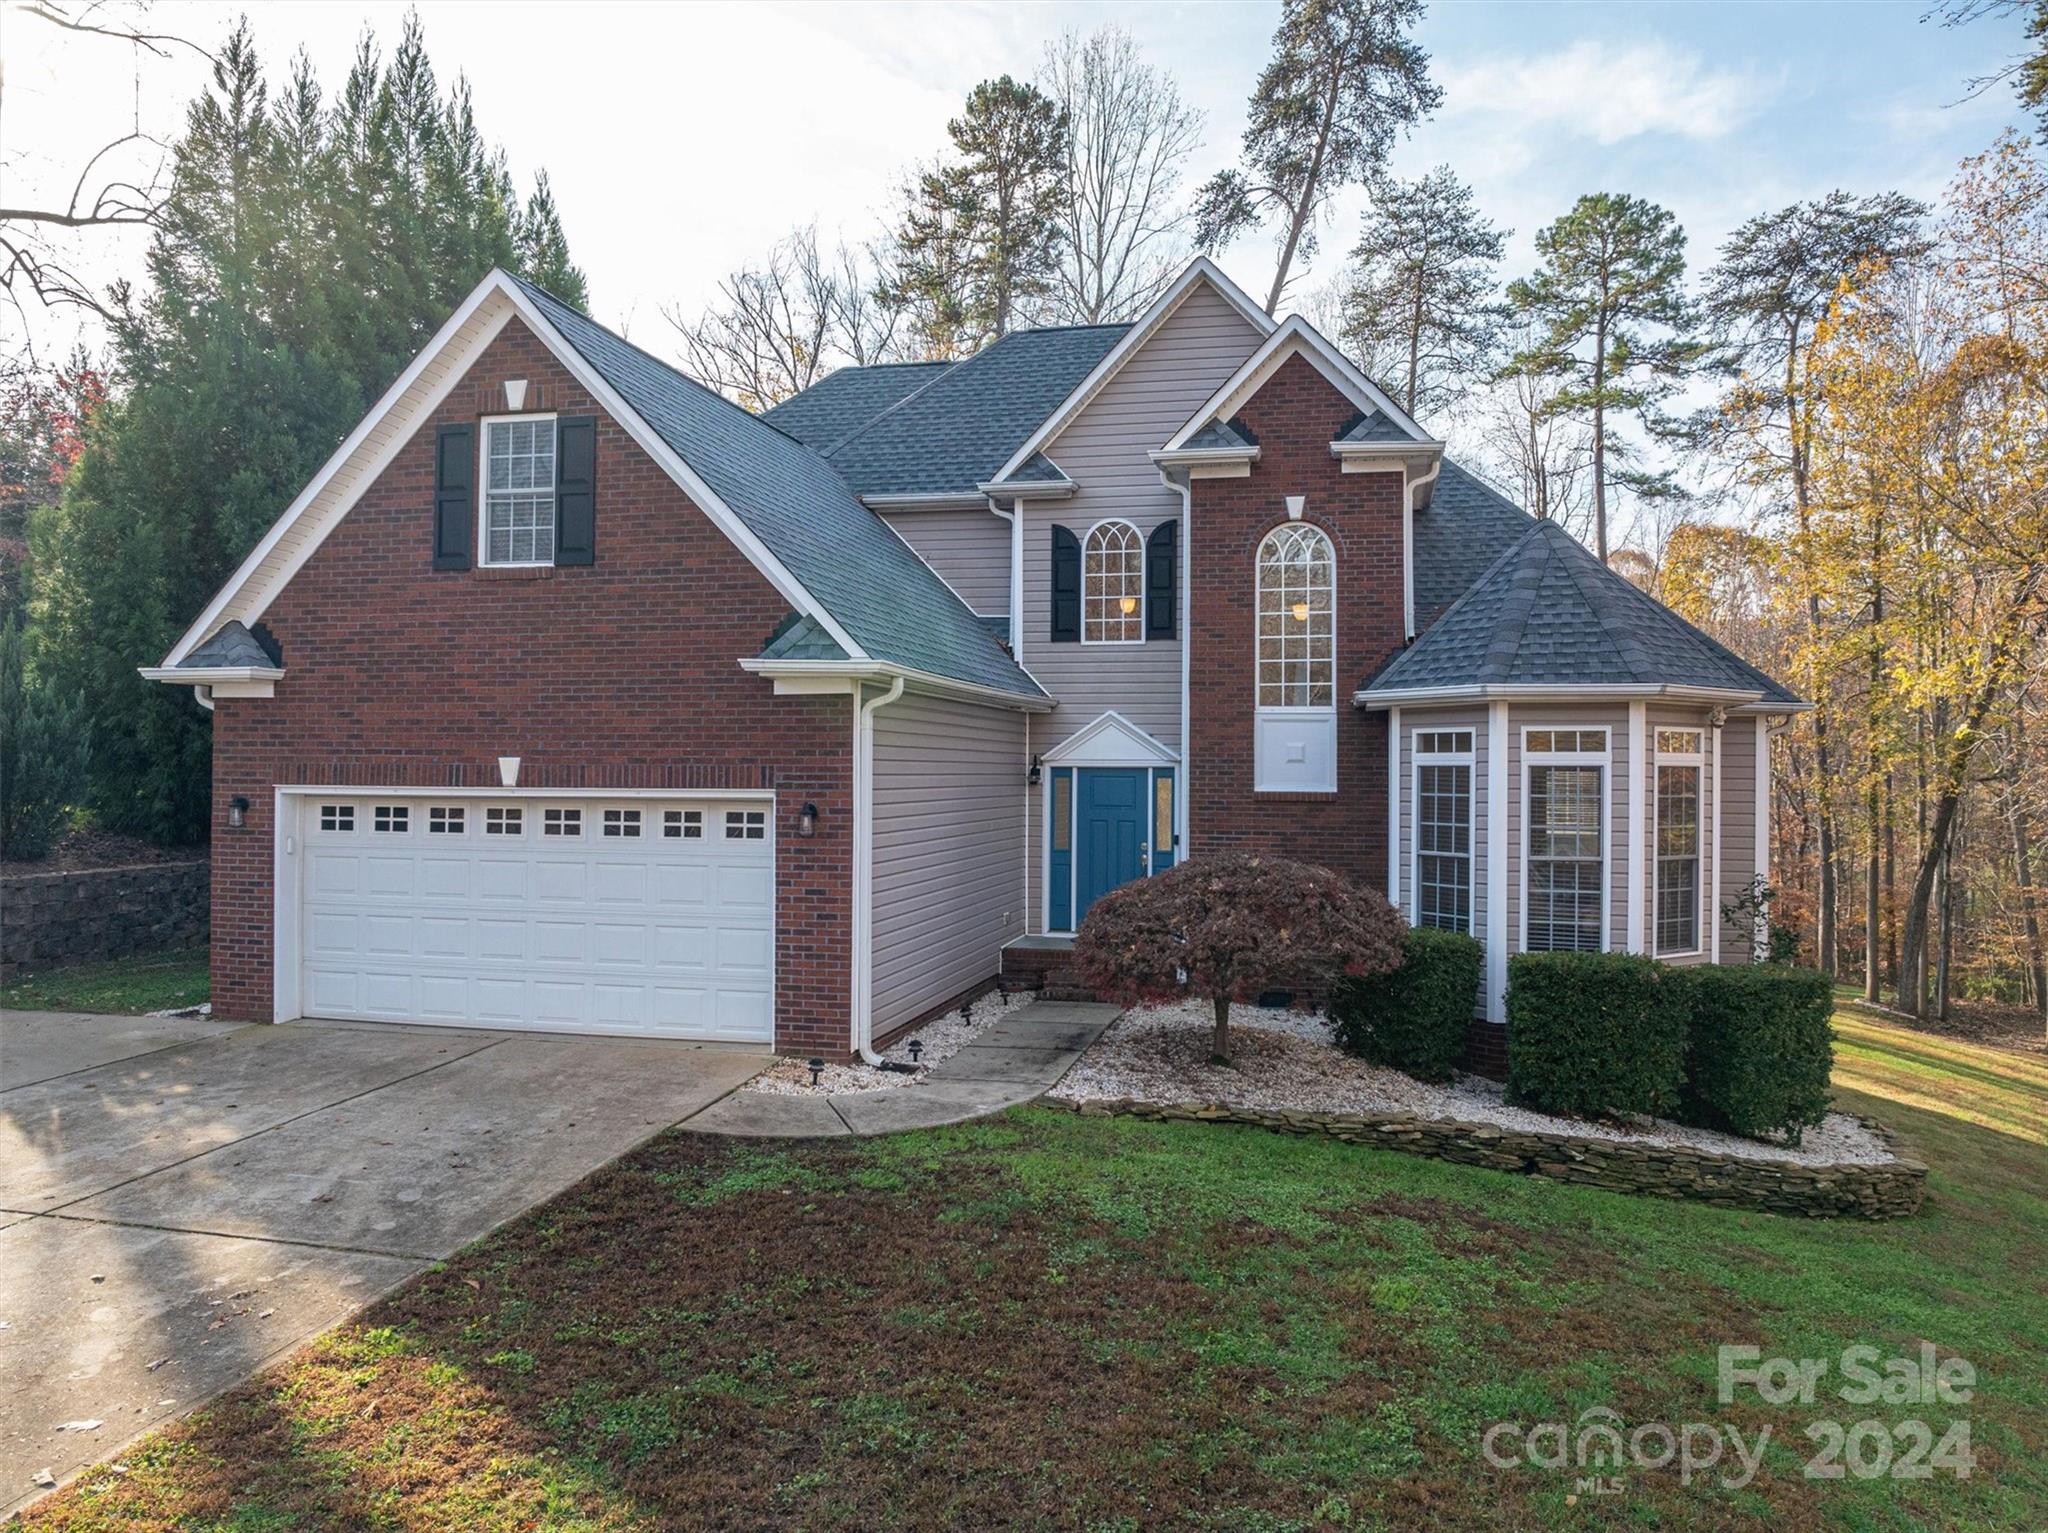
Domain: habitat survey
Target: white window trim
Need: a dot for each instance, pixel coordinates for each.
(483, 490)
(1469, 759)
(1143, 614)
(1311, 710)
(1605, 761)
(1698, 762)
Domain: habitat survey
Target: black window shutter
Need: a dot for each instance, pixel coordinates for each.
(454, 505)
(1162, 581)
(576, 490)
(1066, 587)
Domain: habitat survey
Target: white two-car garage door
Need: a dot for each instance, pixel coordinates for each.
(646, 916)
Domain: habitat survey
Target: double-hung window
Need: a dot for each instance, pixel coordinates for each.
(519, 490)
(1564, 871)
(1678, 840)
(1443, 829)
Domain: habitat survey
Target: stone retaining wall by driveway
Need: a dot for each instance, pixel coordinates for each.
(1889, 1191)
(48, 920)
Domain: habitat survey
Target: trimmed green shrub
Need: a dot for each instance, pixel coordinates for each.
(1761, 1048)
(1595, 1034)
(1414, 1018)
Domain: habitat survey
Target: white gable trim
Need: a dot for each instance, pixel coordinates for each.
(1297, 337)
(1111, 740)
(253, 587)
(1200, 270)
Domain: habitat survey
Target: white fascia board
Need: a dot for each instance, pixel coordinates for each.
(214, 681)
(1031, 489)
(707, 500)
(1422, 449)
(1560, 693)
(1199, 270)
(804, 677)
(1199, 457)
(1296, 337)
(951, 500)
(212, 617)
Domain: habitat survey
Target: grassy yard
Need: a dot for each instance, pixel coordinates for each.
(153, 982)
(1047, 1321)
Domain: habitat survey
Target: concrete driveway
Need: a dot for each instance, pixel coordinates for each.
(183, 1200)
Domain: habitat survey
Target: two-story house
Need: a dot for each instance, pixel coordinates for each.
(571, 696)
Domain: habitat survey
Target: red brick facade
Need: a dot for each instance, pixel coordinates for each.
(1295, 417)
(618, 675)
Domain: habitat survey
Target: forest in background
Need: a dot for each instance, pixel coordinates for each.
(1822, 442)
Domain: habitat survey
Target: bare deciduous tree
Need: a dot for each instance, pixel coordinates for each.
(779, 325)
(1129, 138)
(1537, 457)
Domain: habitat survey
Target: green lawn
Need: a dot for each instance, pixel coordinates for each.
(1049, 1321)
(154, 982)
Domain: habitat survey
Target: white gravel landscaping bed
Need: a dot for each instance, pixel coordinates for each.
(942, 1038)
(1287, 1061)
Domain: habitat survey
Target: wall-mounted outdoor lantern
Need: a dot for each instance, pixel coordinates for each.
(807, 821)
(1037, 772)
(238, 812)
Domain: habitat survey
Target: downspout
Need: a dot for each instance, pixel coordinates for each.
(203, 696)
(1183, 484)
(864, 869)
(1415, 489)
(1015, 517)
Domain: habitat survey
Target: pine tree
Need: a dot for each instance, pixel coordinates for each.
(544, 248)
(1615, 327)
(1421, 303)
(1344, 81)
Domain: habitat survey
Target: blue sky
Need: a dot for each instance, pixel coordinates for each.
(683, 140)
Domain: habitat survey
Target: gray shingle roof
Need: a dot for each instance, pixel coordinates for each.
(801, 637)
(1547, 613)
(1038, 469)
(233, 645)
(962, 425)
(880, 592)
(1230, 433)
(1373, 427)
(842, 402)
(1457, 535)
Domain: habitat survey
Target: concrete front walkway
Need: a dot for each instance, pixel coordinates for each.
(1015, 1060)
(183, 1200)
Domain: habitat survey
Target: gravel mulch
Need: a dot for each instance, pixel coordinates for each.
(1287, 1060)
(942, 1037)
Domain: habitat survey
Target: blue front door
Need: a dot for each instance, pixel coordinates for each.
(1109, 832)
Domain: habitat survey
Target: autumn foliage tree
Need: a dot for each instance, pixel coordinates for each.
(1227, 927)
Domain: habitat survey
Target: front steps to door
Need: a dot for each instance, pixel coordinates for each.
(1044, 964)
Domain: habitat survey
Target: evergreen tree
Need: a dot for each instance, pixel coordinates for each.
(1344, 80)
(980, 238)
(302, 257)
(544, 248)
(1421, 305)
(1615, 324)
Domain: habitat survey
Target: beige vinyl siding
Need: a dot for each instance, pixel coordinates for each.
(1103, 450)
(970, 549)
(1738, 824)
(948, 850)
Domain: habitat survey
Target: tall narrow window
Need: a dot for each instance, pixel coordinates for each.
(1113, 585)
(1678, 857)
(519, 490)
(1297, 619)
(1564, 882)
(1443, 830)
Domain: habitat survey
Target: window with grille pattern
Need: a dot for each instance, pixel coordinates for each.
(1297, 592)
(337, 816)
(519, 490)
(1566, 872)
(1678, 858)
(683, 824)
(445, 821)
(1443, 846)
(623, 823)
(1113, 585)
(561, 822)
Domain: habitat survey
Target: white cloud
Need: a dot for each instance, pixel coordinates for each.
(1609, 92)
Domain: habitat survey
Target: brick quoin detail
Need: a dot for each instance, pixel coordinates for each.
(619, 675)
(1296, 415)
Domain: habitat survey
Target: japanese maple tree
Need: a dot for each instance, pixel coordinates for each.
(1227, 927)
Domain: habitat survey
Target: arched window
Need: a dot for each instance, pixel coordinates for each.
(1297, 619)
(1113, 585)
